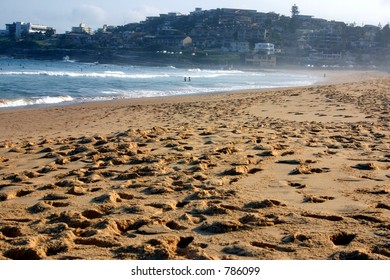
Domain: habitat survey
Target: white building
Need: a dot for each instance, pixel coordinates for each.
(82, 28)
(265, 48)
(37, 28)
(18, 28)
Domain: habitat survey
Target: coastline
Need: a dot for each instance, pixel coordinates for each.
(25, 118)
(287, 173)
(96, 82)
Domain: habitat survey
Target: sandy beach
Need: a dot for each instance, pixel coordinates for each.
(295, 174)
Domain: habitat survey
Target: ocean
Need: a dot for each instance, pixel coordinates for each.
(26, 83)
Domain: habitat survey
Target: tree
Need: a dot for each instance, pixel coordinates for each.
(294, 11)
(294, 20)
(49, 32)
(383, 36)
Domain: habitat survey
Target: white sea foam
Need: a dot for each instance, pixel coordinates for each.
(229, 72)
(46, 100)
(105, 74)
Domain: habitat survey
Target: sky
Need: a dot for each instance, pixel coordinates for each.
(63, 14)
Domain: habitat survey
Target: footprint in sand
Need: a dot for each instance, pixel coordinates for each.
(12, 231)
(24, 253)
(317, 199)
(297, 185)
(342, 238)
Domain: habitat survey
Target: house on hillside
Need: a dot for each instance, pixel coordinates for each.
(174, 42)
(265, 48)
(82, 29)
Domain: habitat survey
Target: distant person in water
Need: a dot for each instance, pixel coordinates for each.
(189, 79)
(185, 79)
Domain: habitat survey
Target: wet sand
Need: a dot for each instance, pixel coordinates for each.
(299, 173)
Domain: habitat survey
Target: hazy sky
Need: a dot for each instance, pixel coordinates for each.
(63, 14)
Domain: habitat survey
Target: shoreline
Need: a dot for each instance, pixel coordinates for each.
(9, 113)
(284, 174)
(25, 117)
(324, 77)
(65, 98)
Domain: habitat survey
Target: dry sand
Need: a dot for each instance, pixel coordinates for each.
(298, 173)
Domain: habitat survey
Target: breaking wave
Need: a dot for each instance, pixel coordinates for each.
(46, 100)
(106, 74)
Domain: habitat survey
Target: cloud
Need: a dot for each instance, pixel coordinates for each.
(89, 14)
(138, 14)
